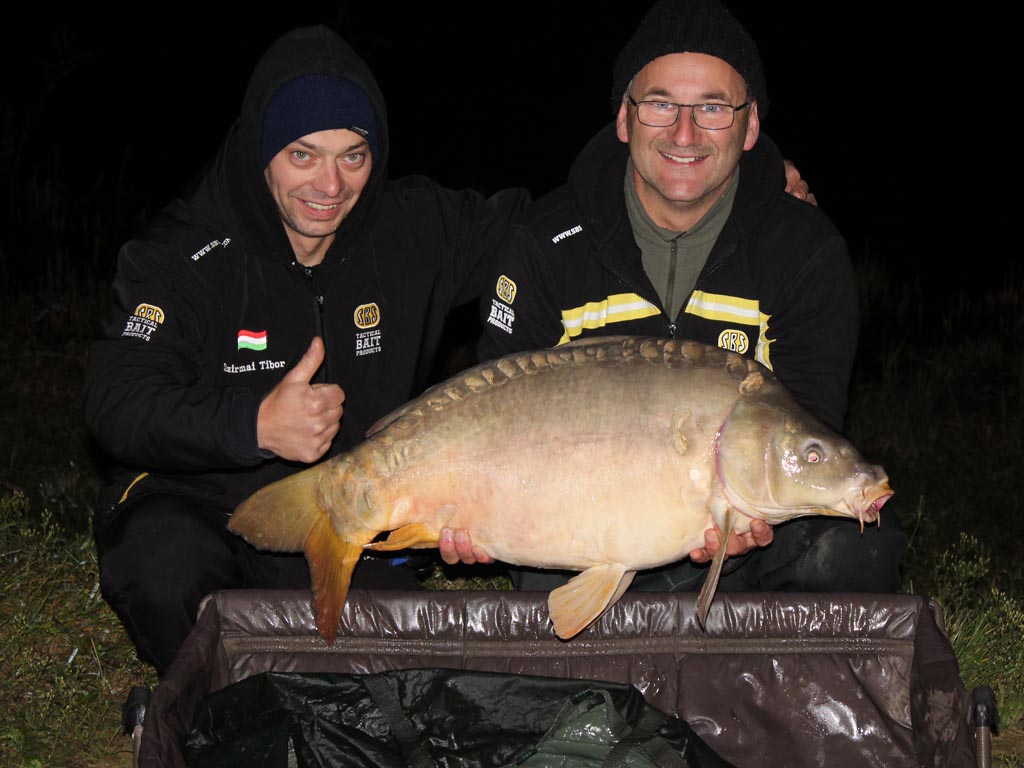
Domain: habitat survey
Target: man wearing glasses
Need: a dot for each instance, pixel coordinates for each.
(674, 223)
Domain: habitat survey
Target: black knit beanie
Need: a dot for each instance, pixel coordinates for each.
(690, 26)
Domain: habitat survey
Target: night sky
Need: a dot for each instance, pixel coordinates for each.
(116, 114)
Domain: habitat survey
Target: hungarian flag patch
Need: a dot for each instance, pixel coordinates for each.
(255, 340)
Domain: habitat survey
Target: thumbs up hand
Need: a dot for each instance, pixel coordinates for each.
(297, 420)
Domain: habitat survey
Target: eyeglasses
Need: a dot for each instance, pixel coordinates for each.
(662, 114)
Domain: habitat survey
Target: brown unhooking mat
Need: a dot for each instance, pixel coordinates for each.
(775, 680)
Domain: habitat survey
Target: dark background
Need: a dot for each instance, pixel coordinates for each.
(106, 117)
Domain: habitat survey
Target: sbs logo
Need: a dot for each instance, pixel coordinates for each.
(733, 340)
(149, 312)
(366, 315)
(506, 289)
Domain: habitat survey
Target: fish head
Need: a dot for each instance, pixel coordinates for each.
(775, 461)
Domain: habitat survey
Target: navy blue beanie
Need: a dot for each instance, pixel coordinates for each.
(314, 103)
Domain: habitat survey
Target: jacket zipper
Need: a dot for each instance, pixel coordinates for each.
(671, 326)
(670, 289)
(321, 325)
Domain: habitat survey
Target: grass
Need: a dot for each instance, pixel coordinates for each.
(985, 624)
(65, 663)
(942, 414)
(66, 666)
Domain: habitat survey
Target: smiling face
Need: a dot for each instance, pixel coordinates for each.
(681, 170)
(315, 181)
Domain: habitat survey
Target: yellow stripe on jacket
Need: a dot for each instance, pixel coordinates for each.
(597, 314)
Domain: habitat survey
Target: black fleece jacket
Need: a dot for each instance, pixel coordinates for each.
(778, 285)
(172, 388)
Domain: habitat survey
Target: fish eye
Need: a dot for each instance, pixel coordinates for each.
(813, 453)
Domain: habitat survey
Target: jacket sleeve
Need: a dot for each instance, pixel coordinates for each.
(815, 321)
(147, 400)
(520, 306)
(475, 228)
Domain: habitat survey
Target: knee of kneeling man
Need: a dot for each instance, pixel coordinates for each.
(161, 573)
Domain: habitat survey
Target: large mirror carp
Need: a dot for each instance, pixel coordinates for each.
(605, 456)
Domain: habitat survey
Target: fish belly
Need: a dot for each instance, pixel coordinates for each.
(557, 503)
(553, 462)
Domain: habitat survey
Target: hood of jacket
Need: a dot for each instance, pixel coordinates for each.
(234, 197)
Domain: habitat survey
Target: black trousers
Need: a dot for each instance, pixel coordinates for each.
(160, 555)
(809, 554)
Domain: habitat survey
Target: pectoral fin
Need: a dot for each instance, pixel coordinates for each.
(707, 592)
(576, 605)
(412, 536)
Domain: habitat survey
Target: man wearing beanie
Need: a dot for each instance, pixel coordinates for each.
(297, 283)
(674, 223)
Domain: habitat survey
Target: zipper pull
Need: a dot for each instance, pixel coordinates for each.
(672, 330)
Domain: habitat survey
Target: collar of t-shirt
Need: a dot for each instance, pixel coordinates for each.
(673, 260)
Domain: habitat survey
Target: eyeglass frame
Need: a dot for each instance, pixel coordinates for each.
(693, 114)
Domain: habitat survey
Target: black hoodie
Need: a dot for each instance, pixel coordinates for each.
(173, 384)
(778, 285)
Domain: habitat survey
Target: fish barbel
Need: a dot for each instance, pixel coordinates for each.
(605, 456)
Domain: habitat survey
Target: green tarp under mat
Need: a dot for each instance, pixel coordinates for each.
(437, 717)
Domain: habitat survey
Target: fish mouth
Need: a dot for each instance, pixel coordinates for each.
(867, 506)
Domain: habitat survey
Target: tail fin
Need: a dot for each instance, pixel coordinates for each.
(282, 515)
(287, 516)
(331, 562)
